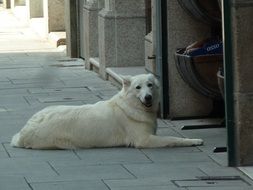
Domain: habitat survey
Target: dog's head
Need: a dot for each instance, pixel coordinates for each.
(142, 91)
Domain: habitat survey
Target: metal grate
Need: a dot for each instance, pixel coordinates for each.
(213, 181)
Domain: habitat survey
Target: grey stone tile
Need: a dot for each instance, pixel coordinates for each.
(71, 103)
(79, 82)
(171, 171)
(180, 154)
(108, 92)
(67, 98)
(248, 171)
(167, 132)
(25, 167)
(221, 158)
(95, 87)
(220, 171)
(164, 124)
(13, 91)
(11, 65)
(212, 137)
(10, 100)
(21, 73)
(4, 59)
(80, 168)
(71, 185)
(13, 183)
(6, 132)
(64, 90)
(5, 84)
(3, 153)
(59, 178)
(46, 155)
(112, 156)
(3, 109)
(36, 80)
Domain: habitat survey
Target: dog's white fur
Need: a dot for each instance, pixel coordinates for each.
(127, 119)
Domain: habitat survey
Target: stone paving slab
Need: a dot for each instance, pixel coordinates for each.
(165, 155)
(163, 169)
(13, 183)
(25, 167)
(3, 153)
(72, 185)
(43, 155)
(56, 91)
(219, 171)
(112, 156)
(80, 168)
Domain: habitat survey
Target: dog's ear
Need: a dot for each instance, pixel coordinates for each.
(156, 81)
(126, 80)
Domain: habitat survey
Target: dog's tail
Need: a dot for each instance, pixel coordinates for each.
(15, 142)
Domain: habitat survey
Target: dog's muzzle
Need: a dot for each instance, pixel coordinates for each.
(148, 100)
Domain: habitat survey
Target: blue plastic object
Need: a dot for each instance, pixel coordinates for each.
(211, 47)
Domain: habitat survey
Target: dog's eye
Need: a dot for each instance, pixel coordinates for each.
(138, 87)
(150, 85)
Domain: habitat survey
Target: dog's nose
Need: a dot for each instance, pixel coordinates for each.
(148, 98)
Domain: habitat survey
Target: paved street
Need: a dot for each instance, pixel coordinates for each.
(34, 74)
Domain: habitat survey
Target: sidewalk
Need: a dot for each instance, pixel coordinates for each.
(34, 74)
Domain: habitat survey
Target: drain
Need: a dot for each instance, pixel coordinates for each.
(212, 181)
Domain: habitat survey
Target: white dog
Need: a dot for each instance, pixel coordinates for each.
(127, 119)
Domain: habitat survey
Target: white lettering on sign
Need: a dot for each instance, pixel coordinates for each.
(213, 47)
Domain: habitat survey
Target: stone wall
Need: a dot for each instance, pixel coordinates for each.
(54, 12)
(242, 38)
(182, 31)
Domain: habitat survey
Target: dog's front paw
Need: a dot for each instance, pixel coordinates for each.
(197, 142)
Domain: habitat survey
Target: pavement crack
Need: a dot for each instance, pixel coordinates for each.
(5, 149)
(52, 167)
(129, 171)
(103, 181)
(77, 155)
(29, 185)
(141, 150)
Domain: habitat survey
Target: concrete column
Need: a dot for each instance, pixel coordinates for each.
(121, 27)
(182, 31)
(150, 43)
(72, 31)
(15, 3)
(7, 4)
(242, 29)
(90, 30)
(19, 9)
(19, 2)
(54, 15)
(35, 8)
